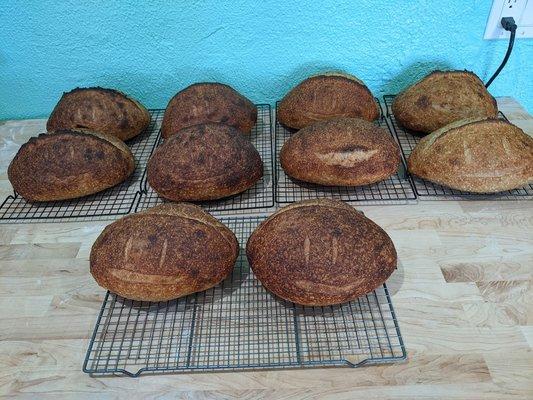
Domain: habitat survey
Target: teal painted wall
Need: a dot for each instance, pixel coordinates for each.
(151, 49)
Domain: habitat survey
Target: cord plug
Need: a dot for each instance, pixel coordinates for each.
(509, 24)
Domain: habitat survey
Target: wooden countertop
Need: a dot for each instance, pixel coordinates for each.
(463, 295)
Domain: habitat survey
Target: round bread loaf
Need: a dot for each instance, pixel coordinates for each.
(163, 253)
(204, 162)
(442, 98)
(481, 156)
(326, 96)
(68, 164)
(100, 110)
(320, 252)
(342, 152)
(208, 102)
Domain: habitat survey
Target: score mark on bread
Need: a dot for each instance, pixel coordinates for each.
(340, 152)
(346, 158)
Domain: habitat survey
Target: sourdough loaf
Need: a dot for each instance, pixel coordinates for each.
(68, 164)
(320, 252)
(208, 102)
(441, 98)
(204, 162)
(342, 152)
(326, 96)
(481, 156)
(163, 253)
(99, 110)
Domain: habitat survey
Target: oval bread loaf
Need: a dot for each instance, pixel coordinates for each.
(342, 152)
(99, 110)
(326, 96)
(481, 156)
(163, 253)
(204, 162)
(442, 98)
(68, 164)
(320, 252)
(208, 102)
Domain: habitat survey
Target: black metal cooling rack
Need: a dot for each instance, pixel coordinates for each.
(114, 201)
(239, 325)
(259, 196)
(433, 191)
(395, 190)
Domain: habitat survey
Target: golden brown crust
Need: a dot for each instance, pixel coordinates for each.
(163, 253)
(320, 252)
(481, 156)
(99, 110)
(443, 97)
(202, 103)
(341, 152)
(69, 164)
(326, 96)
(204, 162)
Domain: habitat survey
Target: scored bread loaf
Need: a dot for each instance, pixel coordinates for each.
(202, 103)
(320, 252)
(443, 97)
(67, 164)
(204, 162)
(481, 156)
(325, 96)
(342, 152)
(163, 253)
(99, 110)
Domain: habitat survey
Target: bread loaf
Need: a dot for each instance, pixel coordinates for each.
(326, 96)
(481, 156)
(320, 252)
(68, 164)
(208, 102)
(441, 98)
(204, 162)
(163, 253)
(342, 152)
(99, 110)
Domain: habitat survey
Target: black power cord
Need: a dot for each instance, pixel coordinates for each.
(508, 24)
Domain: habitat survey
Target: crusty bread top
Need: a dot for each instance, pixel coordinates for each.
(108, 139)
(320, 252)
(192, 212)
(341, 74)
(115, 91)
(325, 96)
(68, 164)
(99, 109)
(204, 162)
(443, 97)
(322, 201)
(477, 155)
(208, 102)
(163, 253)
(340, 151)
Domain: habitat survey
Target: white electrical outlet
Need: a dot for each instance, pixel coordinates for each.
(520, 10)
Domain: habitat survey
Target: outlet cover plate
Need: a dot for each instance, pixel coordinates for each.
(520, 10)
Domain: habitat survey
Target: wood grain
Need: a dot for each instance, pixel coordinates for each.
(462, 294)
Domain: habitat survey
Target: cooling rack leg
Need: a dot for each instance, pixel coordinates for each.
(296, 334)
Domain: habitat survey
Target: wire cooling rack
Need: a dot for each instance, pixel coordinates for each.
(117, 200)
(259, 196)
(433, 191)
(239, 325)
(395, 190)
